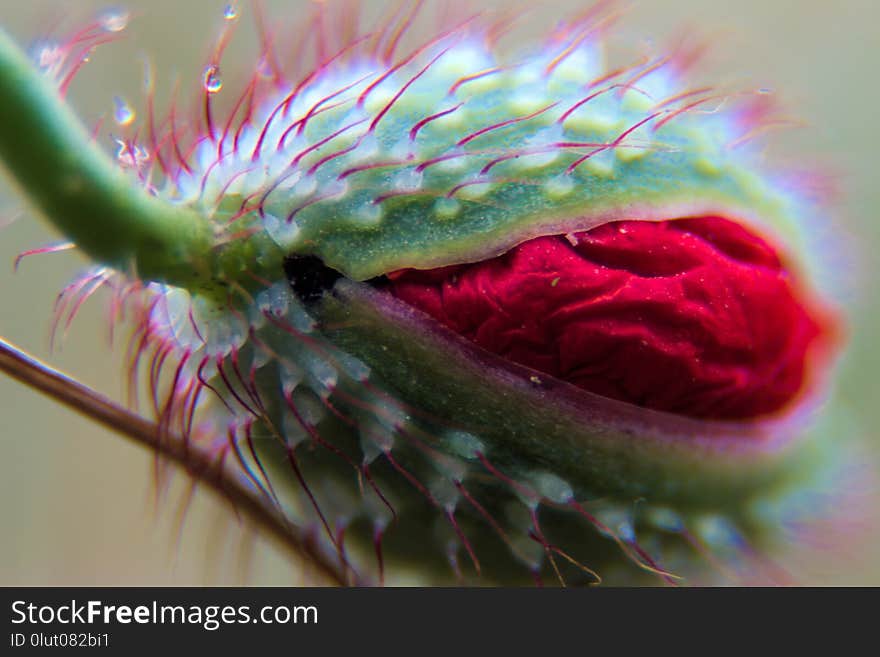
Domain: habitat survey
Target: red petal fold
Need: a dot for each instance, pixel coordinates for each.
(693, 316)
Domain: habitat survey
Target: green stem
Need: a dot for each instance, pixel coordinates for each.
(82, 192)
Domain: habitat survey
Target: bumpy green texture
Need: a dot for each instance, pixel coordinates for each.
(457, 156)
(409, 435)
(364, 418)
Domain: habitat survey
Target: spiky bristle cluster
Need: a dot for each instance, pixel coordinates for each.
(363, 419)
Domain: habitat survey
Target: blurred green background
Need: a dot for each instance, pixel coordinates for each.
(78, 504)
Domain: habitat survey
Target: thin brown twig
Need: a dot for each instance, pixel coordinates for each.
(198, 462)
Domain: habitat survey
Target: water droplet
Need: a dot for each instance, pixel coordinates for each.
(264, 67)
(230, 12)
(123, 114)
(211, 79)
(114, 20)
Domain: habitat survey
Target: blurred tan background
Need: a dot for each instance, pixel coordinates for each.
(77, 504)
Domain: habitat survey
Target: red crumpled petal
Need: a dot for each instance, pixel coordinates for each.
(693, 316)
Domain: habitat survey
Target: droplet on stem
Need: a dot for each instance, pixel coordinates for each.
(230, 12)
(211, 80)
(123, 114)
(114, 20)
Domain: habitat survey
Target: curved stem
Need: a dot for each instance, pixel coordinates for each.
(197, 461)
(85, 194)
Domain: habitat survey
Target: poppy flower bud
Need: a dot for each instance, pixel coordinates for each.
(500, 316)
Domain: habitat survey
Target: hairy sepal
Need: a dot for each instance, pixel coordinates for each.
(404, 435)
